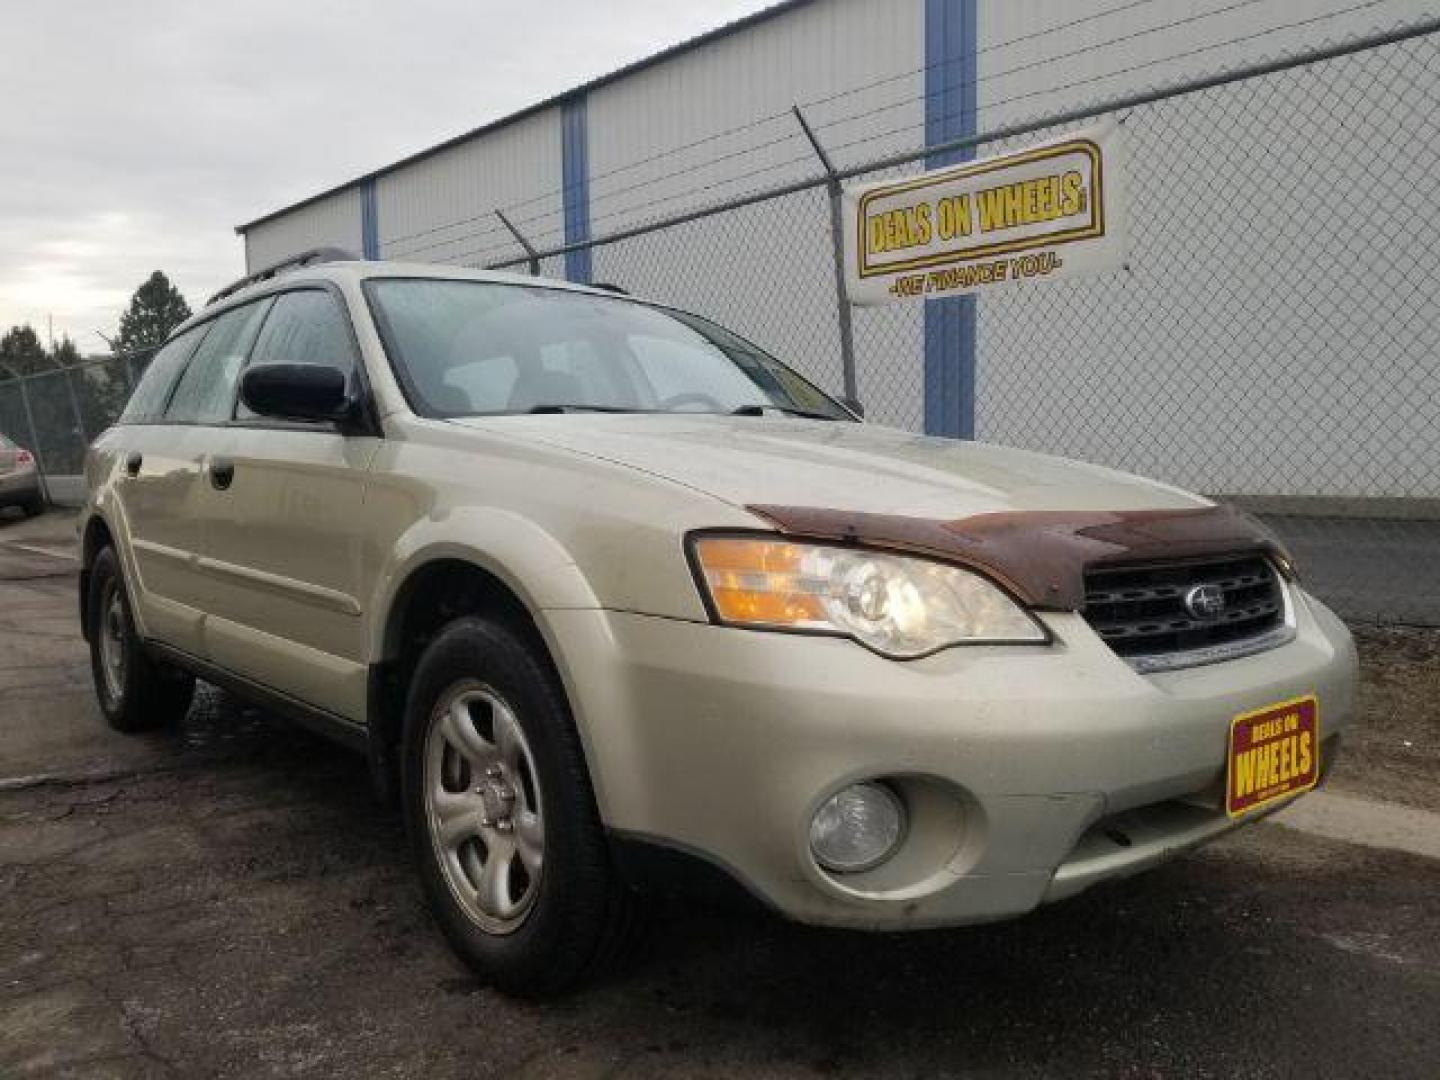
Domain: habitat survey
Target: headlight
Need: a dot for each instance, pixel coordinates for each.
(899, 606)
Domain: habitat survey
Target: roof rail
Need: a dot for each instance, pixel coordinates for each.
(609, 287)
(305, 258)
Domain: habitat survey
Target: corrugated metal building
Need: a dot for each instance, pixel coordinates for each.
(710, 119)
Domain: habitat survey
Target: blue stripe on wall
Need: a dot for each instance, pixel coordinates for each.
(575, 184)
(369, 221)
(950, 113)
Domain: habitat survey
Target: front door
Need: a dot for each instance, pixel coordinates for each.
(285, 529)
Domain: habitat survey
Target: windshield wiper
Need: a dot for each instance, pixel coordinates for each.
(582, 408)
(743, 410)
(761, 410)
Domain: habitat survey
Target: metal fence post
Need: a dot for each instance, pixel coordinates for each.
(531, 255)
(74, 404)
(837, 244)
(34, 439)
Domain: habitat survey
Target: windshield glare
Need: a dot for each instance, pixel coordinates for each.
(464, 348)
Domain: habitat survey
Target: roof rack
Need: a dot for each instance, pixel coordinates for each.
(305, 258)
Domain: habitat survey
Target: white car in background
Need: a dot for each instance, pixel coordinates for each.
(19, 478)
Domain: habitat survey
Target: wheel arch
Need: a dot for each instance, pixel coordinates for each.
(95, 534)
(531, 564)
(490, 563)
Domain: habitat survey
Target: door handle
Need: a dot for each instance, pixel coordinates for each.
(221, 473)
(133, 463)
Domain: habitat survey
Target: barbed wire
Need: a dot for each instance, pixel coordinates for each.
(784, 114)
(1117, 72)
(787, 116)
(1239, 40)
(647, 209)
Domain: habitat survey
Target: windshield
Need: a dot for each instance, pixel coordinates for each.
(466, 348)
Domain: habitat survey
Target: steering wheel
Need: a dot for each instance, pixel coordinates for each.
(690, 397)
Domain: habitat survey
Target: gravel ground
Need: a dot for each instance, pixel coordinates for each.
(1393, 752)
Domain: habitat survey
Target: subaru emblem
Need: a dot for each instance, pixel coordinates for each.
(1205, 602)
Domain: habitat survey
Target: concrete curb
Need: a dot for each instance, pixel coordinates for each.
(1364, 821)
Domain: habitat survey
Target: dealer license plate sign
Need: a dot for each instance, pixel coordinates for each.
(1274, 753)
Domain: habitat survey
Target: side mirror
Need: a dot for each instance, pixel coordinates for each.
(853, 404)
(296, 392)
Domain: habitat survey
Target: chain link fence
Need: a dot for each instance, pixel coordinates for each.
(55, 414)
(1286, 354)
(1273, 339)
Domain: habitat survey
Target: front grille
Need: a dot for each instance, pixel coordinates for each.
(1140, 610)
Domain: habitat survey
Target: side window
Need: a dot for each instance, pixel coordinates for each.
(147, 402)
(305, 327)
(206, 393)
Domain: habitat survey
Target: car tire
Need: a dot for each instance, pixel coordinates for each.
(501, 817)
(34, 508)
(136, 692)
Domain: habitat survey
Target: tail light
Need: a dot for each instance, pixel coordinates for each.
(24, 457)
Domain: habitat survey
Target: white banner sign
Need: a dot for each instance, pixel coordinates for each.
(1048, 211)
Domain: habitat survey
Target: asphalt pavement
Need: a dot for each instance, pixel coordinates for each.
(228, 899)
(1371, 569)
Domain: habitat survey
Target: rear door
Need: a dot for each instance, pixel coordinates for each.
(286, 535)
(152, 485)
(163, 488)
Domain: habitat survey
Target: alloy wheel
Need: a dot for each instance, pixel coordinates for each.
(113, 655)
(483, 806)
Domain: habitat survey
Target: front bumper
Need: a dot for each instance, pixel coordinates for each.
(1029, 772)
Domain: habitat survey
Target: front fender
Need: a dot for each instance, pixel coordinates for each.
(517, 551)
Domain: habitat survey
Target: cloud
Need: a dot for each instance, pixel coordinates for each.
(145, 131)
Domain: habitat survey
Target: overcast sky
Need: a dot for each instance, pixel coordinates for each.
(134, 136)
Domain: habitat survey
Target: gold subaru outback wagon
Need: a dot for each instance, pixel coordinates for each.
(618, 602)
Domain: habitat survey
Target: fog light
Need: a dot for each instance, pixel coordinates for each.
(857, 828)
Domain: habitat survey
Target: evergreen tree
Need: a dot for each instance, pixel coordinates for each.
(64, 353)
(156, 308)
(21, 353)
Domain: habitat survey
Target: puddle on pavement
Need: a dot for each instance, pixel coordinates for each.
(219, 725)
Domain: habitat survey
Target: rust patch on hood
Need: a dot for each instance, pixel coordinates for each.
(1039, 555)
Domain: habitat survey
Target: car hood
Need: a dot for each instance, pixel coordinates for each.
(859, 467)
